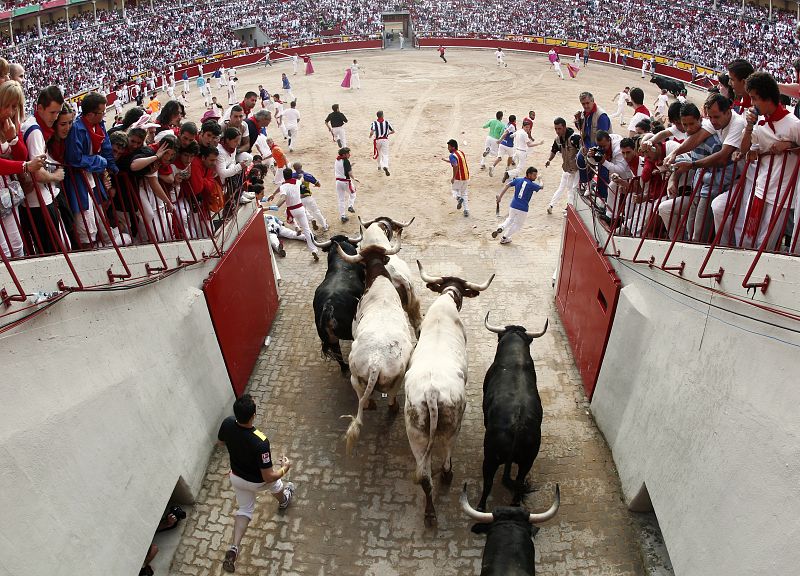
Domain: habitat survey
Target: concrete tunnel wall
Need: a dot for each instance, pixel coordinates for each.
(108, 399)
(700, 404)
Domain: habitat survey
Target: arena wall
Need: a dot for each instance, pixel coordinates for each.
(111, 398)
(697, 397)
(566, 50)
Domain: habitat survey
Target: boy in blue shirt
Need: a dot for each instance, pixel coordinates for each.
(524, 189)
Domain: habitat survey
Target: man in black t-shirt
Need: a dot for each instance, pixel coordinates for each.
(335, 122)
(251, 470)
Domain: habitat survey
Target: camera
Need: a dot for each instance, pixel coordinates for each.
(178, 512)
(575, 141)
(595, 155)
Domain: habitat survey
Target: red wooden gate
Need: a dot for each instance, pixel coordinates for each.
(242, 299)
(588, 289)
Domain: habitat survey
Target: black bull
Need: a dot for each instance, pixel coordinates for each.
(512, 411)
(336, 299)
(674, 87)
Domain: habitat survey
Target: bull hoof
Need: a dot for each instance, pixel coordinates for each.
(447, 476)
(430, 520)
(371, 405)
(344, 368)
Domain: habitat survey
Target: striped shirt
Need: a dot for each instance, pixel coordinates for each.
(381, 129)
(459, 162)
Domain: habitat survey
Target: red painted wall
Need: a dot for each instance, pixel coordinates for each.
(586, 298)
(243, 300)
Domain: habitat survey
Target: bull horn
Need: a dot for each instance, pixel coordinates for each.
(428, 279)
(322, 245)
(401, 224)
(354, 240)
(395, 248)
(539, 334)
(490, 328)
(545, 516)
(367, 223)
(482, 517)
(349, 258)
(479, 287)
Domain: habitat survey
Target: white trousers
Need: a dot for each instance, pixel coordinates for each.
(192, 224)
(620, 112)
(514, 222)
(491, 145)
(310, 204)
(460, 189)
(301, 220)
(557, 66)
(345, 196)
(338, 134)
(520, 156)
(155, 216)
(14, 247)
(291, 133)
(568, 184)
(284, 232)
(383, 152)
(355, 81)
(246, 493)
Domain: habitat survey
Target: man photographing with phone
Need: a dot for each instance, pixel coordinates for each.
(252, 470)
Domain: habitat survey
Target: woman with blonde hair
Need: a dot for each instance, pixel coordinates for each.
(4, 70)
(13, 160)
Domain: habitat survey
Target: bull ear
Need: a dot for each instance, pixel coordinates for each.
(480, 528)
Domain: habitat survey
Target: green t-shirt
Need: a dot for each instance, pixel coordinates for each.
(496, 128)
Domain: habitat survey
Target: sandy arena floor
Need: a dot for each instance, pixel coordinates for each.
(362, 515)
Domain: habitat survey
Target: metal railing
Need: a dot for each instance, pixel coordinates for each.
(750, 204)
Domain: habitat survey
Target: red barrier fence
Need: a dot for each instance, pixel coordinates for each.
(564, 52)
(117, 214)
(750, 204)
(586, 298)
(242, 299)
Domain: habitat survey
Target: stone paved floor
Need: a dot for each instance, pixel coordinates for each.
(362, 515)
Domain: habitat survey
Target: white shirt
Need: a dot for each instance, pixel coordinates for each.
(677, 134)
(36, 147)
(290, 118)
(354, 69)
(787, 129)
(662, 102)
(226, 164)
(638, 117)
(623, 98)
(617, 164)
(732, 134)
(498, 55)
(292, 192)
(521, 140)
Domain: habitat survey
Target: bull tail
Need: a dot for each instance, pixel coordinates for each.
(354, 430)
(432, 400)
(327, 332)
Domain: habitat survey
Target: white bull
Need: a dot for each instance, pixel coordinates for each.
(435, 384)
(382, 340)
(399, 270)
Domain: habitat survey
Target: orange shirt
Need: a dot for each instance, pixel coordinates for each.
(461, 170)
(279, 156)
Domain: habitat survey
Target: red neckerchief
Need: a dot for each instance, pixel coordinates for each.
(340, 157)
(593, 110)
(96, 135)
(643, 109)
(780, 113)
(47, 131)
(291, 181)
(634, 166)
(742, 103)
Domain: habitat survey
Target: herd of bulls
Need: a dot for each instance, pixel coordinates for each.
(368, 297)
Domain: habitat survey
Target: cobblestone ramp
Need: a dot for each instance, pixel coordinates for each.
(362, 515)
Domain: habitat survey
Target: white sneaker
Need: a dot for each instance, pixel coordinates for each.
(505, 240)
(288, 491)
(550, 209)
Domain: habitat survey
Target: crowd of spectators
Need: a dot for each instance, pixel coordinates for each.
(702, 32)
(692, 32)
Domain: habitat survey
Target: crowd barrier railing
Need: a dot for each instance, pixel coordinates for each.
(751, 204)
(129, 214)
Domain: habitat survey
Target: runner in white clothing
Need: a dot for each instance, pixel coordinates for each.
(661, 104)
(523, 142)
(290, 194)
(290, 120)
(623, 100)
(501, 58)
